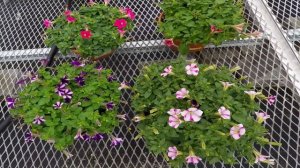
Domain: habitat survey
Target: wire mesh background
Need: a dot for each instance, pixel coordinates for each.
(21, 28)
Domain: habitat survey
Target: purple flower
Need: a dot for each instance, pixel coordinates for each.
(67, 94)
(237, 131)
(192, 69)
(224, 113)
(10, 102)
(79, 80)
(182, 93)
(28, 137)
(261, 116)
(99, 68)
(38, 120)
(64, 80)
(167, 71)
(116, 141)
(124, 85)
(21, 82)
(193, 159)
(97, 137)
(111, 78)
(78, 135)
(271, 99)
(172, 152)
(77, 64)
(33, 77)
(110, 105)
(192, 114)
(86, 137)
(83, 74)
(122, 117)
(174, 112)
(174, 121)
(194, 103)
(57, 105)
(60, 89)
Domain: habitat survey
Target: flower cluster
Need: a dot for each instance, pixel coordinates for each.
(185, 110)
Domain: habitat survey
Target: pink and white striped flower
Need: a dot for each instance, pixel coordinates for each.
(173, 152)
(193, 159)
(182, 93)
(224, 113)
(192, 69)
(261, 116)
(226, 85)
(237, 131)
(174, 112)
(167, 71)
(174, 121)
(192, 114)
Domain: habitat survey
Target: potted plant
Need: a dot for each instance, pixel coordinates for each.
(71, 102)
(191, 24)
(189, 112)
(93, 31)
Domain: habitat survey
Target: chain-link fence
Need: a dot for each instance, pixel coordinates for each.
(22, 50)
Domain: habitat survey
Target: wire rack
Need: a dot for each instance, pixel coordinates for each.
(22, 48)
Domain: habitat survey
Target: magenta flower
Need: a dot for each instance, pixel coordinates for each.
(38, 120)
(110, 105)
(224, 113)
(174, 121)
(28, 137)
(77, 64)
(237, 131)
(173, 152)
(169, 42)
(124, 85)
(192, 69)
(120, 23)
(271, 99)
(86, 34)
(10, 102)
(192, 159)
(261, 116)
(174, 112)
(130, 13)
(226, 85)
(116, 141)
(68, 13)
(47, 23)
(78, 135)
(97, 137)
(262, 158)
(70, 19)
(121, 32)
(252, 94)
(57, 105)
(182, 93)
(192, 114)
(167, 71)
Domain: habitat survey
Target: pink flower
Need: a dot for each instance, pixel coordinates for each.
(167, 71)
(70, 19)
(226, 85)
(261, 116)
(271, 99)
(224, 113)
(174, 121)
(106, 2)
(213, 29)
(47, 23)
(67, 13)
(172, 152)
(239, 27)
(192, 114)
(192, 69)
(169, 42)
(252, 94)
(174, 112)
(182, 93)
(86, 34)
(121, 32)
(130, 13)
(193, 159)
(120, 23)
(265, 159)
(237, 131)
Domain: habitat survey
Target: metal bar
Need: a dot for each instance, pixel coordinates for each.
(53, 52)
(4, 124)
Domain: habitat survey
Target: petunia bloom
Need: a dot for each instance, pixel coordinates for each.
(239, 27)
(48, 23)
(138, 118)
(64, 80)
(106, 2)
(169, 42)
(192, 114)
(237, 131)
(261, 116)
(224, 113)
(67, 94)
(252, 94)
(194, 103)
(172, 152)
(124, 85)
(122, 117)
(79, 80)
(167, 71)
(86, 137)
(182, 93)
(111, 78)
(174, 121)
(116, 141)
(97, 137)
(38, 120)
(10, 102)
(213, 29)
(99, 68)
(271, 99)
(28, 137)
(86, 34)
(265, 159)
(70, 19)
(120, 23)
(193, 159)
(110, 105)
(60, 89)
(130, 13)
(77, 64)
(57, 105)
(78, 135)
(33, 78)
(226, 85)
(192, 69)
(121, 32)
(67, 12)
(174, 112)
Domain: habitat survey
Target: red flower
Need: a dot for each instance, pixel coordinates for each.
(120, 23)
(86, 34)
(213, 29)
(68, 13)
(71, 19)
(169, 42)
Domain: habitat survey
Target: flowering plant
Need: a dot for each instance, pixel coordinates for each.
(91, 31)
(69, 102)
(204, 22)
(189, 111)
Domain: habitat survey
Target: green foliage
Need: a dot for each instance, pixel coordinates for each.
(209, 138)
(86, 111)
(99, 19)
(189, 20)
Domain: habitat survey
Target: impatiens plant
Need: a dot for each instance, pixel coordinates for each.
(92, 31)
(190, 22)
(71, 102)
(190, 112)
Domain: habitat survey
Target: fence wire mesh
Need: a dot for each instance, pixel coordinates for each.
(22, 49)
